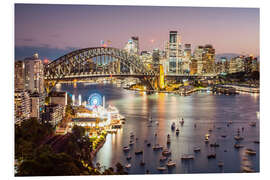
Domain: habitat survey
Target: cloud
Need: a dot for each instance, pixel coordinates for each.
(44, 51)
(26, 39)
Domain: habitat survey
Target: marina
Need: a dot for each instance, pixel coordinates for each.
(212, 127)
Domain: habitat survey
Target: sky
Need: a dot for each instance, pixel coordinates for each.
(54, 30)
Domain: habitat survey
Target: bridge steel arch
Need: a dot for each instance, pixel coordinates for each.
(73, 64)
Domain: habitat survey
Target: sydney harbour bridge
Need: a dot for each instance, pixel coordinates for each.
(101, 62)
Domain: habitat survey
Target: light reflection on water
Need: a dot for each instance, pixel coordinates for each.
(208, 111)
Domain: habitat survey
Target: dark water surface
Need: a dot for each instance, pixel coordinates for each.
(207, 110)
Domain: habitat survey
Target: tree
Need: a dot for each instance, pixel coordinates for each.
(47, 163)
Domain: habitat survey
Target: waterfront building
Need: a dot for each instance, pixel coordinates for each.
(248, 63)
(174, 53)
(198, 57)
(19, 75)
(240, 65)
(53, 114)
(37, 105)
(208, 58)
(224, 65)
(22, 105)
(156, 56)
(186, 58)
(254, 65)
(58, 98)
(33, 74)
(205, 56)
(193, 66)
(132, 45)
(147, 58)
(232, 67)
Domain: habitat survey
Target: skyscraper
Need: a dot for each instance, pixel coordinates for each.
(135, 40)
(198, 57)
(174, 53)
(22, 103)
(132, 46)
(209, 58)
(186, 58)
(156, 56)
(205, 56)
(19, 75)
(33, 74)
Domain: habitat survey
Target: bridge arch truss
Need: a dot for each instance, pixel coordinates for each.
(75, 63)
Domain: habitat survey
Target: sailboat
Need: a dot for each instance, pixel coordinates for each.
(177, 131)
(168, 139)
(173, 126)
(150, 118)
(142, 163)
(129, 157)
(182, 121)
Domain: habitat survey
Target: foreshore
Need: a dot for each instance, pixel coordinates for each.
(93, 153)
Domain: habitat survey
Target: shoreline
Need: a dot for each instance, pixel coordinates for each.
(93, 153)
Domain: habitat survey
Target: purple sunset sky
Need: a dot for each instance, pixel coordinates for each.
(53, 30)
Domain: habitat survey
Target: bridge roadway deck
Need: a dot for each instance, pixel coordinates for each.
(85, 76)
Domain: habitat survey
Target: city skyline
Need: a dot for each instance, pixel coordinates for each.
(45, 35)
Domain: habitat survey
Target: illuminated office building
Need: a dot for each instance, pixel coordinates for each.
(156, 56)
(37, 105)
(22, 106)
(208, 58)
(132, 46)
(174, 53)
(33, 74)
(198, 57)
(53, 114)
(146, 57)
(186, 58)
(19, 75)
(205, 56)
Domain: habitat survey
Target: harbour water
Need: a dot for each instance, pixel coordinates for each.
(206, 110)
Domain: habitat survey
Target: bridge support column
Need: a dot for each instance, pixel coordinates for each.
(118, 67)
(49, 85)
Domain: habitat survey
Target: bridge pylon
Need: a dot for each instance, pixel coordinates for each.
(49, 85)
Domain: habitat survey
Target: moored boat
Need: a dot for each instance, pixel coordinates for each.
(197, 149)
(166, 152)
(247, 169)
(163, 158)
(173, 126)
(238, 138)
(220, 164)
(131, 143)
(177, 131)
(214, 145)
(161, 168)
(168, 139)
(126, 149)
(139, 152)
(237, 146)
(157, 147)
(171, 164)
(256, 142)
(128, 166)
(253, 124)
(187, 157)
(211, 156)
(250, 152)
